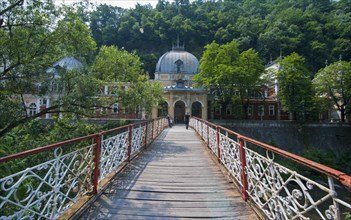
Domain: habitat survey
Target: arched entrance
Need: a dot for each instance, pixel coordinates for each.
(179, 112)
(162, 109)
(196, 109)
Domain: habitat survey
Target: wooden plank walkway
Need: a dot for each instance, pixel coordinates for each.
(174, 178)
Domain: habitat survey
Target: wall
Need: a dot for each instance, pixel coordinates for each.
(295, 137)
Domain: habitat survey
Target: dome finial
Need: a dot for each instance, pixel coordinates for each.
(177, 47)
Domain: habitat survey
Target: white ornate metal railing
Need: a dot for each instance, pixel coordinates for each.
(266, 181)
(58, 175)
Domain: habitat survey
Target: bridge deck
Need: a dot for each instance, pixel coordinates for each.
(175, 178)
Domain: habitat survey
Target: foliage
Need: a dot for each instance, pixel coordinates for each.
(334, 83)
(318, 31)
(116, 65)
(295, 87)
(32, 38)
(122, 71)
(347, 215)
(230, 74)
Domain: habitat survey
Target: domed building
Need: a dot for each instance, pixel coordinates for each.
(175, 71)
(36, 103)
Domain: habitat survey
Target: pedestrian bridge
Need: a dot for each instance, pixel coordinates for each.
(149, 171)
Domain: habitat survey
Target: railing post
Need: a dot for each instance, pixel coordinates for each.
(218, 145)
(243, 167)
(208, 135)
(202, 130)
(96, 163)
(130, 139)
(152, 129)
(158, 127)
(146, 133)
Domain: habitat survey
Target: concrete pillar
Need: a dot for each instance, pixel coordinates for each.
(204, 109)
(171, 107)
(154, 113)
(188, 104)
(47, 116)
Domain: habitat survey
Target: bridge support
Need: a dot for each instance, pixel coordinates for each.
(218, 145)
(96, 163)
(243, 165)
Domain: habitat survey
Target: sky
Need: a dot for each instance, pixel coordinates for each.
(119, 3)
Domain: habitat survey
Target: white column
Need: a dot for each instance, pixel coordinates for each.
(47, 116)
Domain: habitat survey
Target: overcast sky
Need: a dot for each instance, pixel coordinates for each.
(119, 3)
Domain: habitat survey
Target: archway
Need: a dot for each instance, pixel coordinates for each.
(196, 109)
(179, 112)
(162, 109)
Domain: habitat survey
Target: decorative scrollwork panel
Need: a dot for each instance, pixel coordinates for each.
(230, 156)
(113, 153)
(47, 190)
(282, 193)
(213, 140)
(205, 135)
(137, 136)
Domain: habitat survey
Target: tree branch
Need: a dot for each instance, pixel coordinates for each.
(20, 2)
(15, 123)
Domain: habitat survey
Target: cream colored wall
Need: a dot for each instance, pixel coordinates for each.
(188, 97)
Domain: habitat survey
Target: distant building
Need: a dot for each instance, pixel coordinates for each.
(36, 103)
(175, 71)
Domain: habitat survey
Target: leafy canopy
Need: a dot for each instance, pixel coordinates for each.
(334, 83)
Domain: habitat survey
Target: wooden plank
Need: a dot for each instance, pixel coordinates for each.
(174, 178)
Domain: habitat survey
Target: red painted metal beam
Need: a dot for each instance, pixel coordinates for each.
(45, 148)
(243, 167)
(340, 176)
(96, 163)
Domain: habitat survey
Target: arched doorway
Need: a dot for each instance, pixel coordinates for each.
(179, 112)
(196, 109)
(162, 109)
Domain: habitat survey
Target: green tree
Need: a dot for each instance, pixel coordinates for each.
(334, 83)
(116, 65)
(245, 78)
(122, 71)
(104, 23)
(295, 87)
(32, 38)
(230, 75)
(215, 65)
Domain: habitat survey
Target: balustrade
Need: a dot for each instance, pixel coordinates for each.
(58, 175)
(266, 181)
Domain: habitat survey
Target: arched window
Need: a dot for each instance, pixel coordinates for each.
(179, 65)
(115, 108)
(32, 109)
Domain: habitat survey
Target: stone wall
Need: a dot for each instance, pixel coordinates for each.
(295, 137)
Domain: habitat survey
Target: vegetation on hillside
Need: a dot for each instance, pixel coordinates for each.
(317, 30)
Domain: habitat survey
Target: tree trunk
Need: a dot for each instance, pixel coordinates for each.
(342, 114)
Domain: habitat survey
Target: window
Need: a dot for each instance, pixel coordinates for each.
(249, 110)
(261, 110)
(229, 110)
(179, 65)
(180, 84)
(115, 108)
(271, 110)
(32, 109)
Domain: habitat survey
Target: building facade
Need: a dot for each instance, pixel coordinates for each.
(175, 71)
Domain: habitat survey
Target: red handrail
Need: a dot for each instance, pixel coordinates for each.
(340, 176)
(44, 148)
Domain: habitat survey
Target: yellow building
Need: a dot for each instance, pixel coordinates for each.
(175, 71)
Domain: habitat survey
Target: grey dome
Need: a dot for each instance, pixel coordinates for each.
(176, 61)
(69, 63)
